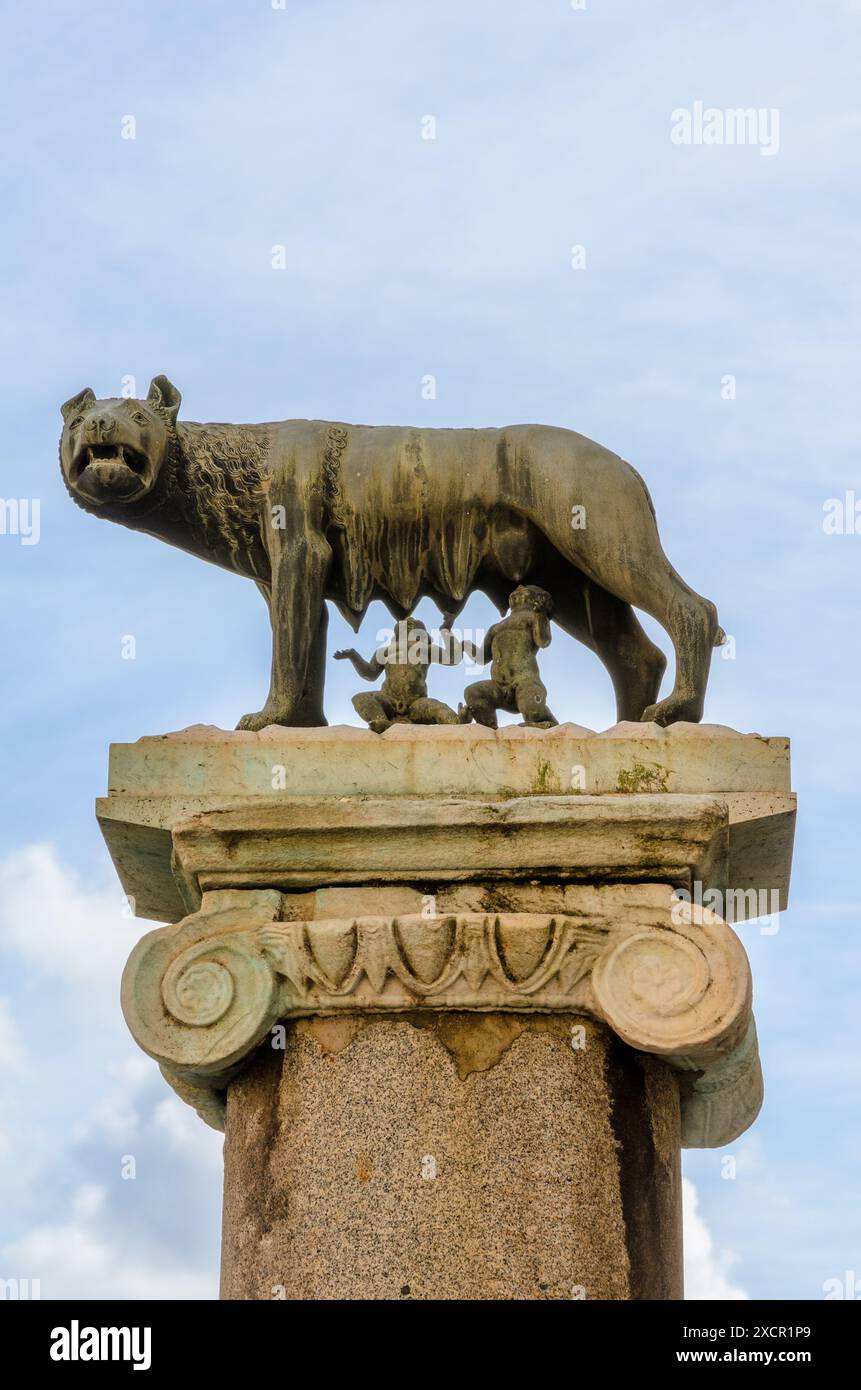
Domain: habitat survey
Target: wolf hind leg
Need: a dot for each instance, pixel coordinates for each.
(610, 628)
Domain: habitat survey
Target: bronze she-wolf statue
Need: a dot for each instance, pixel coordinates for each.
(312, 511)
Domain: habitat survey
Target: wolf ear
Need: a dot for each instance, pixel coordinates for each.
(85, 397)
(164, 395)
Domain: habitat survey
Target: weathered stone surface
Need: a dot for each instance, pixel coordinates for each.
(157, 782)
(420, 953)
(312, 842)
(452, 1156)
(196, 765)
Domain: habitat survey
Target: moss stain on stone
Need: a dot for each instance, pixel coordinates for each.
(643, 777)
(546, 782)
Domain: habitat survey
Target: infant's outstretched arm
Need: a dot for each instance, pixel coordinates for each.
(369, 670)
(480, 654)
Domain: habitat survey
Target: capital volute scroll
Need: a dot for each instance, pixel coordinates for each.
(199, 996)
(202, 995)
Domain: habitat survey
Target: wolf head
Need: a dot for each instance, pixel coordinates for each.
(112, 452)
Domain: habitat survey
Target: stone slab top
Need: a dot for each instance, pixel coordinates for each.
(411, 732)
(438, 760)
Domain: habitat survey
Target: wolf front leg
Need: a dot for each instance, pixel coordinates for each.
(297, 609)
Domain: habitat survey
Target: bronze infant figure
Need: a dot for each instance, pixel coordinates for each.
(403, 697)
(512, 645)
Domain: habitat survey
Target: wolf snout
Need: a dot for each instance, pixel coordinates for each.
(100, 429)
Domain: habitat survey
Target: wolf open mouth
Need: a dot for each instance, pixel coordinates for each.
(120, 455)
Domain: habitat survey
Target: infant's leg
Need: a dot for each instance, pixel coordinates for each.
(532, 703)
(482, 701)
(375, 711)
(427, 711)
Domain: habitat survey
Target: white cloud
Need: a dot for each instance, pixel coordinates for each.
(72, 1261)
(133, 1072)
(76, 1235)
(88, 1201)
(186, 1134)
(116, 1118)
(13, 1056)
(706, 1269)
(117, 1115)
(60, 926)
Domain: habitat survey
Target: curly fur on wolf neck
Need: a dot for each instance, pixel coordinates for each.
(215, 476)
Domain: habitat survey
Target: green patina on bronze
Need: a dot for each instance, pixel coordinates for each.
(313, 510)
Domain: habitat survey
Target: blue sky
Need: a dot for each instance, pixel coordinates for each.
(406, 257)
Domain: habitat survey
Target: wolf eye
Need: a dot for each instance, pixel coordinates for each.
(139, 417)
(78, 420)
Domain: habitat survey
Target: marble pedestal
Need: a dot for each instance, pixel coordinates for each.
(440, 989)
